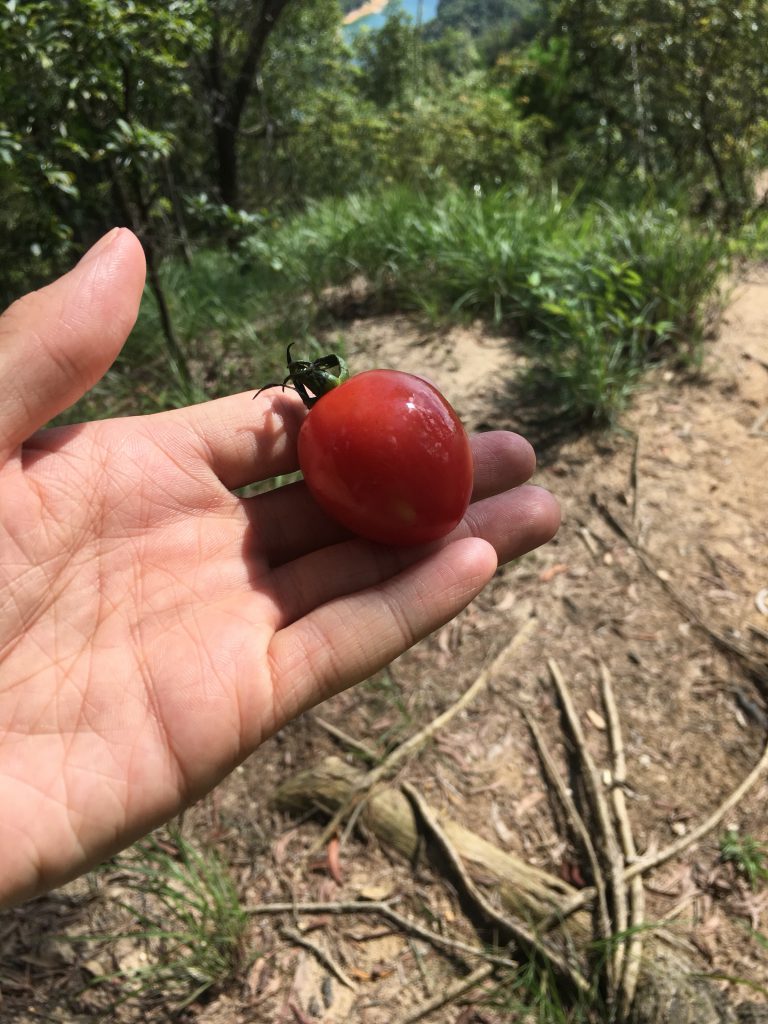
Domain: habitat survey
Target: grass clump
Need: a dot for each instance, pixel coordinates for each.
(187, 922)
(595, 293)
(749, 857)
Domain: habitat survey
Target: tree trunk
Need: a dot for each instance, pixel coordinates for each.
(228, 98)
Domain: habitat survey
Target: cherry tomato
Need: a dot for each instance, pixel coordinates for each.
(385, 455)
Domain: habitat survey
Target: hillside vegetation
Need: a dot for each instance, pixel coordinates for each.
(576, 173)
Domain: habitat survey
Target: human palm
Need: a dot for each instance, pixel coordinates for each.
(155, 627)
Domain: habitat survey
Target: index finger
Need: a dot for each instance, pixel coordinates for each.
(243, 440)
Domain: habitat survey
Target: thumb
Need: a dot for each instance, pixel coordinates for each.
(57, 342)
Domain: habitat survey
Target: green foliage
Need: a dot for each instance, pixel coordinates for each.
(663, 91)
(84, 127)
(480, 16)
(390, 61)
(532, 994)
(464, 132)
(749, 856)
(186, 916)
(138, 121)
(751, 241)
(596, 293)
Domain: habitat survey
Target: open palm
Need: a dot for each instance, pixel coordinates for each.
(154, 626)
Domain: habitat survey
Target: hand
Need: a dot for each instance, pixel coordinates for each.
(155, 627)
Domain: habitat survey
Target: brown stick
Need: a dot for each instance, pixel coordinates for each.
(521, 935)
(575, 819)
(613, 864)
(631, 973)
(634, 478)
(348, 741)
(415, 742)
(449, 995)
(384, 909)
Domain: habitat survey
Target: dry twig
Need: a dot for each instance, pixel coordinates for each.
(449, 994)
(634, 478)
(346, 740)
(613, 864)
(575, 819)
(631, 973)
(384, 909)
(325, 958)
(521, 935)
(415, 742)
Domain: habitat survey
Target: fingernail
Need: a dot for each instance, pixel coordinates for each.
(98, 247)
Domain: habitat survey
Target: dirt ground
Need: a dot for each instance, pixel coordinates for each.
(688, 473)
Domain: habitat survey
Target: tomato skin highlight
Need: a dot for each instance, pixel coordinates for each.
(386, 456)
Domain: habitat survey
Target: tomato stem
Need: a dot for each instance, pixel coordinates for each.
(319, 376)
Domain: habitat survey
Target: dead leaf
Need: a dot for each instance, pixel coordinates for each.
(359, 973)
(95, 968)
(260, 976)
(596, 719)
(506, 601)
(280, 846)
(334, 860)
(381, 970)
(299, 1014)
(271, 989)
(571, 872)
(554, 570)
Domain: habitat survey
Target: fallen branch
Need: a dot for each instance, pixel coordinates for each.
(384, 909)
(667, 981)
(414, 743)
(522, 936)
(631, 972)
(527, 891)
(613, 863)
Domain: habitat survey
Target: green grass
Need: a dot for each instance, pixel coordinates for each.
(751, 241)
(183, 913)
(532, 994)
(749, 857)
(595, 293)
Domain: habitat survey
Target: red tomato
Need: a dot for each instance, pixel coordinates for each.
(385, 455)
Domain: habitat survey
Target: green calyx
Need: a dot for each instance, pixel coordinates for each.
(318, 377)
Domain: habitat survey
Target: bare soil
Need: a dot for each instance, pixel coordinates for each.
(688, 472)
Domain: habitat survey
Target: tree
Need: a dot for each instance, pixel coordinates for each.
(239, 30)
(84, 90)
(390, 61)
(663, 91)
